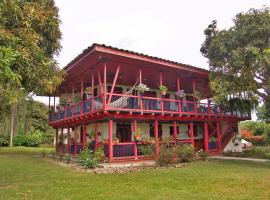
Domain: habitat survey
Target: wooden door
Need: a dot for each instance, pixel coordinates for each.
(123, 132)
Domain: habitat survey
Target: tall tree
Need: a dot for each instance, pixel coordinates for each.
(239, 58)
(29, 40)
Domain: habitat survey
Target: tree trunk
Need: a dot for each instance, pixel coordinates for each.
(11, 124)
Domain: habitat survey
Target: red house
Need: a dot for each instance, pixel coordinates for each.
(105, 97)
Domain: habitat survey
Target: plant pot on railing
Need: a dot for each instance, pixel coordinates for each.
(163, 90)
(142, 88)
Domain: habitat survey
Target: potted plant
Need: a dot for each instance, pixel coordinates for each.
(180, 94)
(142, 88)
(163, 90)
(88, 90)
(138, 135)
(197, 94)
(212, 143)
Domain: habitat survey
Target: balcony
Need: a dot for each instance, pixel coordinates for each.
(143, 105)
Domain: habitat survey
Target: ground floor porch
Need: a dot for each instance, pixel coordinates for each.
(118, 139)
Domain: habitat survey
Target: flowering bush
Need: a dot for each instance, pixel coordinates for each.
(90, 159)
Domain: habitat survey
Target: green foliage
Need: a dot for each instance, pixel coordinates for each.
(166, 156)
(20, 140)
(185, 152)
(239, 59)
(4, 140)
(148, 149)
(202, 154)
(257, 128)
(262, 152)
(34, 138)
(89, 159)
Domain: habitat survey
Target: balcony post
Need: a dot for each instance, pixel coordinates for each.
(135, 143)
(175, 132)
(75, 141)
(156, 139)
(73, 100)
(84, 135)
(68, 132)
(178, 89)
(96, 136)
(191, 133)
(195, 99)
(66, 104)
(218, 136)
(140, 99)
(62, 138)
(105, 85)
(206, 133)
(92, 87)
(56, 139)
(110, 147)
(113, 85)
(161, 83)
(82, 85)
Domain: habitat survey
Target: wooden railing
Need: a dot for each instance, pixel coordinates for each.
(124, 102)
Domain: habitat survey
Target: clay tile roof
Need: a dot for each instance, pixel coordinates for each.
(87, 50)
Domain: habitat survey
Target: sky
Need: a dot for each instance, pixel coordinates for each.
(171, 29)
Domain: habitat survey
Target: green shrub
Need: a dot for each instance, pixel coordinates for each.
(148, 149)
(20, 140)
(34, 138)
(89, 159)
(4, 140)
(68, 158)
(166, 156)
(185, 152)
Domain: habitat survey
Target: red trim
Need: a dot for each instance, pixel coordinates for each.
(75, 141)
(206, 147)
(135, 144)
(113, 85)
(156, 139)
(218, 135)
(110, 140)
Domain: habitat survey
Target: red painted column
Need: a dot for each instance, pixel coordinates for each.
(206, 133)
(195, 99)
(96, 132)
(82, 85)
(218, 136)
(84, 136)
(92, 86)
(191, 133)
(68, 144)
(178, 89)
(156, 139)
(140, 80)
(66, 104)
(62, 136)
(73, 101)
(56, 139)
(161, 83)
(75, 141)
(110, 140)
(175, 132)
(135, 143)
(105, 85)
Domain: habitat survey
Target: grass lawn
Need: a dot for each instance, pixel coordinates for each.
(25, 175)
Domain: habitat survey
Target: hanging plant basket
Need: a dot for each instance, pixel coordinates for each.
(142, 88)
(163, 90)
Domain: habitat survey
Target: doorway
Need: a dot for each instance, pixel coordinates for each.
(123, 132)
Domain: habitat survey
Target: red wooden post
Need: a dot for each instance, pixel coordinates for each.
(175, 132)
(105, 85)
(195, 99)
(218, 136)
(96, 140)
(113, 85)
(178, 89)
(66, 104)
(140, 79)
(84, 136)
(75, 141)
(161, 83)
(73, 100)
(82, 85)
(99, 80)
(156, 139)
(56, 139)
(92, 86)
(191, 133)
(135, 143)
(206, 133)
(110, 140)
(140, 76)
(62, 138)
(68, 140)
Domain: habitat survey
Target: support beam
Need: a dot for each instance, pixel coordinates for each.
(75, 141)
(206, 134)
(175, 132)
(161, 83)
(68, 141)
(93, 91)
(113, 85)
(135, 143)
(99, 80)
(56, 140)
(178, 89)
(195, 99)
(218, 136)
(140, 75)
(84, 135)
(62, 138)
(96, 136)
(82, 85)
(156, 139)
(110, 140)
(105, 86)
(191, 133)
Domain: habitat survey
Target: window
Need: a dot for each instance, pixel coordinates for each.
(171, 130)
(151, 131)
